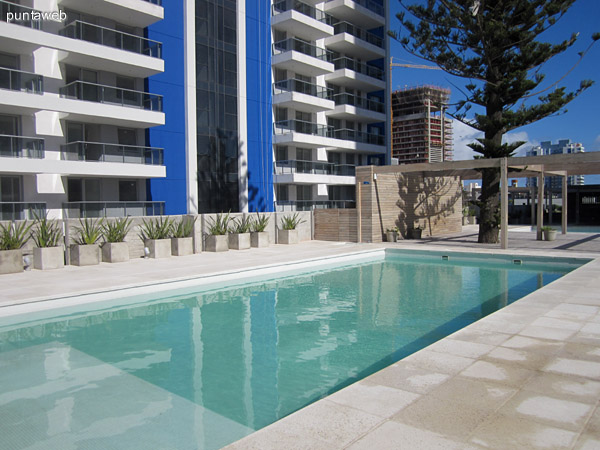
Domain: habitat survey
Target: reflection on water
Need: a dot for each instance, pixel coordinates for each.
(222, 363)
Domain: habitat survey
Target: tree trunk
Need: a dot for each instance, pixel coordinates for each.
(488, 223)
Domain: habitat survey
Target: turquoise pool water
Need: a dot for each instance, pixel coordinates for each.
(203, 369)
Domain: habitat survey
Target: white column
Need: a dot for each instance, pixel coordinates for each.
(191, 142)
(504, 204)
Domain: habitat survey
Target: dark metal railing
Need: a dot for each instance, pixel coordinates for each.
(370, 5)
(97, 151)
(92, 92)
(112, 38)
(21, 147)
(359, 102)
(309, 205)
(298, 45)
(21, 210)
(313, 167)
(20, 15)
(358, 136)
(19, 80)
(345, 27)
(300, 126)
(77, 210)
(302, 87)
(303, 8)
(352, 64)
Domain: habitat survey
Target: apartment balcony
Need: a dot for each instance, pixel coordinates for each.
(313, 172)
(19, 80)
(301, 95)
(21, 210)
(305, 134)
(82, 210)
(301, 20)
(301, 57)
(309, 205)
(351, 107)
(359, 136)
(366, 12)
(352, 73)
(114, 153)
(136, 13)
(21, 147)
(354, 41)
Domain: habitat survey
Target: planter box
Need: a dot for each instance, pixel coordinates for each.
(391, 236)
(472, 220)
(259, 239)
(11, 261)
(114, 252)
(159, 248)
(239, 241)
(85, 255)
(46, 258)
(182, 246)
(217, 243)
(414, 233)
(549, 235)
(287, 236)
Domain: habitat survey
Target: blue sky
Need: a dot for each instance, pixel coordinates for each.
(581, 123)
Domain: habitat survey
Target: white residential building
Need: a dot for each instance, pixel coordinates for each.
(548, 148)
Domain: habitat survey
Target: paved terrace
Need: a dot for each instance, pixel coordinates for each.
(527, 376)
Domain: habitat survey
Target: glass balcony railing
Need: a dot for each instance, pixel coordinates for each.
(112, 38)
(359, 136)
(92, 92)
(298, 45)
(370, 5)
(82, 210)
(303, 8)
(359, 102)
(21, 147)
(96, 151)
(283, 167)
(302, 87)
(345, 27)
(309, 205)
(21, 210)
(300, 126)
(365, 69)
(155, 2)
(19, 80)
(17, 14)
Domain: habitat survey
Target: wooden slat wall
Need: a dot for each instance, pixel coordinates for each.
(336, 225)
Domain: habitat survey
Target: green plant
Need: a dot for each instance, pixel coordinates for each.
(117, 231)
(291, 222)
(89, 232)
(219, 225)
(155, 229)
(241, 225)
(14, 236)
(548, 228)
(183, 228)
(47, 232)
(260, 223)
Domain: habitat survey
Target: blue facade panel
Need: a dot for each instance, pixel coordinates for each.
(259, 106)
(171, 85)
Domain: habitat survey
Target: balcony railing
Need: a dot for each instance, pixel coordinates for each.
(359, 136)
(21, 210)
(92, 92)
(97, 151)
(309, 205)
(370, 5)
(359, 102)
(302, 87)
(365, 69)
(19, 80)
(22, 14)
(81, 210)
(313, 167)
(298, 45)
(112, 38)
(300, 126)
(345, 27)
(21, 147)
(303, 8)
(155, 2)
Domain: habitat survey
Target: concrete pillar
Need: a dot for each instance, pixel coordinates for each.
(564, 204)
(540, 206)
(504, 203)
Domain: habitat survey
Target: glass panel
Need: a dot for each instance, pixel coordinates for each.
(127, 191)
(75, 190)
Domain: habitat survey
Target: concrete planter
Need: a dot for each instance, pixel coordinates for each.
(472, 220)
(259, 239)
(414, 233)
(115, 252)
(11, 261)
(159, 248)
(549, 235)
(391, 236)
(46, 258)
(182, 246)
(239, 241)
(287, 236)
(217, 243)
(85, 255)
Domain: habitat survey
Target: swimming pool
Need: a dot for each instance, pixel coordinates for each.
(202, 369)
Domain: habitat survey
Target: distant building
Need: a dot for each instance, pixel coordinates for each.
(420, 130)
(548, 148)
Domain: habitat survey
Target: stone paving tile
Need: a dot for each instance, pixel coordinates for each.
(461, 348)
(567, 387)
(556, 334)
(569, 315)
(577, 308)
(439, 362)
(525, 359)
(480, 336)
(408, 378)
(550, 322)
(501, 326)
(576, 350)
(593, 425)
(498, 373)
(587, 442)
(579, 368)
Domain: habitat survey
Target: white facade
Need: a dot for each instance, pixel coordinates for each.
(326, 99)
(73, 113)
(548, 148)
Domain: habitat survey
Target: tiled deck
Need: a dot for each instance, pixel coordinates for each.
(527, 376)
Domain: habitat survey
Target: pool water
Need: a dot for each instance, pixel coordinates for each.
(201, 370)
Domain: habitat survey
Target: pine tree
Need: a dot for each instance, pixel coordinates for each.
(493, 43)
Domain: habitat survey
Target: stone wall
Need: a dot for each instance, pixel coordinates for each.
(336, 225)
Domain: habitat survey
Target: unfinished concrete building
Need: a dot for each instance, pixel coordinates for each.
(417, 131)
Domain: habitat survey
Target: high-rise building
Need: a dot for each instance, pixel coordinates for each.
(74, 108)
(420, 130)
(548, 148)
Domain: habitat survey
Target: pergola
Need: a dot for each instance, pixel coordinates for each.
(516, 167)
